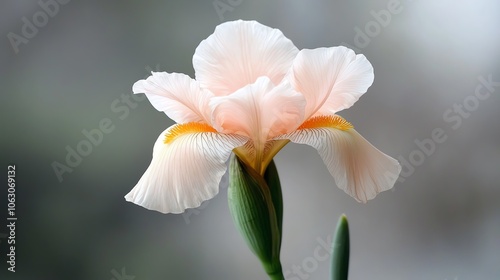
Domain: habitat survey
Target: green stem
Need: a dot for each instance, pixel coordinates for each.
(276, 276)
(274, 271)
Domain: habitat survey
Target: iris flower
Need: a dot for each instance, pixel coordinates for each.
(253, 93)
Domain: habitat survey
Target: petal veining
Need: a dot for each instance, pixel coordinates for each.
(238, 52)
(259, 111)
(360, 169)
(179, 96)
(331, 79)
(185, 171)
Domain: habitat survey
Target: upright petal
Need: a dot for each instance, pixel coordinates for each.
(331, 79)
(179, 96)
(238, 53)
(259, 111)
(358, 168)
(188, 163)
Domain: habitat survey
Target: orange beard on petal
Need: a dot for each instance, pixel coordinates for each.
(334, 121)
(186, 128)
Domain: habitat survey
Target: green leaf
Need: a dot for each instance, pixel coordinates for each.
(251, 206)
(340, 256)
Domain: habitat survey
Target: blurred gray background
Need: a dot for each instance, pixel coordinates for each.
(441, 220)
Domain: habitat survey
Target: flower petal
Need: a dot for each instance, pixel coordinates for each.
(259, 111)
(188, 163)
(331, 79)
(179, 96)
(358, 168)
(238, 53)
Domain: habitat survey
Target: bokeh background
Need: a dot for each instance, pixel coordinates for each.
(441, 220)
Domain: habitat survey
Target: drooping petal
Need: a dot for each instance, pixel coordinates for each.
(331, 79)
(259, 111)
(188, 163)
(179, 96)
(239, 52)
(360, 169)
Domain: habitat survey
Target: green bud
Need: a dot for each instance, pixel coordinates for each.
(340, 256)
(252, 206)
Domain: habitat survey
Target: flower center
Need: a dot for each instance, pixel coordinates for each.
(259, 159)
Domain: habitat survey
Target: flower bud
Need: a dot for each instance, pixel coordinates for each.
(340, 256)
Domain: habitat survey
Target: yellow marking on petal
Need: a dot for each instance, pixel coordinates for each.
(186, 128)
(335, 121)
